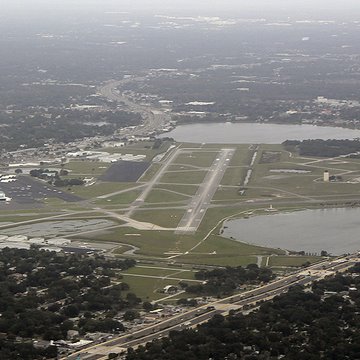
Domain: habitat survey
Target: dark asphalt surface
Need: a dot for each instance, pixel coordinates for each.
(125, 171)
(202, 314)
(28, 191)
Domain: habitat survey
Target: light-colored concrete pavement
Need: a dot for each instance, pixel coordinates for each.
(201, 201)
(202, 314)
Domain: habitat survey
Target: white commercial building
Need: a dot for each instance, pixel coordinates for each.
(326, 176)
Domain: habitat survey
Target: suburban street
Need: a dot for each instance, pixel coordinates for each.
(179, 180)
(202, 314)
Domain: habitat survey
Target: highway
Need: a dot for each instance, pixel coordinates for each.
(154, 119)
(201, 201)
(223, 306)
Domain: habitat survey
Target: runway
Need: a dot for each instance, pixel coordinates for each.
(201, 201)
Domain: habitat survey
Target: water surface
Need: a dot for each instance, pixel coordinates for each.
(333, 230)
(249, 133)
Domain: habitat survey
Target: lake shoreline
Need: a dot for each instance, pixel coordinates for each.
(255, 133)
(311, 230)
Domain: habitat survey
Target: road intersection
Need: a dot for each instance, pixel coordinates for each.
(237, 302)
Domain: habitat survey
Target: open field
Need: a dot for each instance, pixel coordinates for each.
(222, 246)
(214, 215)
(15, 218)
(85, 168)
(147, 288)
(149, 280)
(227, 194)
(99, 188)
(165, 218)
(120, 199)
(291, 261)
(164, 196)
(156, 244)
(201, 159)
(140, 148)
(234, 175)
(150, 172)
(180, 177)
(339, 164)
(72, 211)
(242, 155)
(217, 260)
(52, 202)
(273, 181)
(279, 179)
(185, 168)
(162, 271)
(183, 189)
(164, 244)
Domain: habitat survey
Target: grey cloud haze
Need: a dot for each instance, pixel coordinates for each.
(237, 7)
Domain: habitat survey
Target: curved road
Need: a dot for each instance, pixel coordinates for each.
(154, 119)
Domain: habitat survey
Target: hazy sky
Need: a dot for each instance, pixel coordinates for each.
(238, 7)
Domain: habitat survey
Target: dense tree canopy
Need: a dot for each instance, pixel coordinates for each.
(45, 294)
(223, 281)
(320, 324)
(323, 148)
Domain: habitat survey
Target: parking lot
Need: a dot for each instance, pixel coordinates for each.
(28, 191)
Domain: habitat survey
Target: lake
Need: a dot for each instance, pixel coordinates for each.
(248, 133)
(333, 230)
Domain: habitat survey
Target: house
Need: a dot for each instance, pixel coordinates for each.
(170, 289)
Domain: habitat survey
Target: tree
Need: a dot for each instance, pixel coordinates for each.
(59, 183)
(147, 306)
(131, 315)
(132, 299)
(157, 144)
(35, 172)
(187, 302)
(71, 311)
(65, 326)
